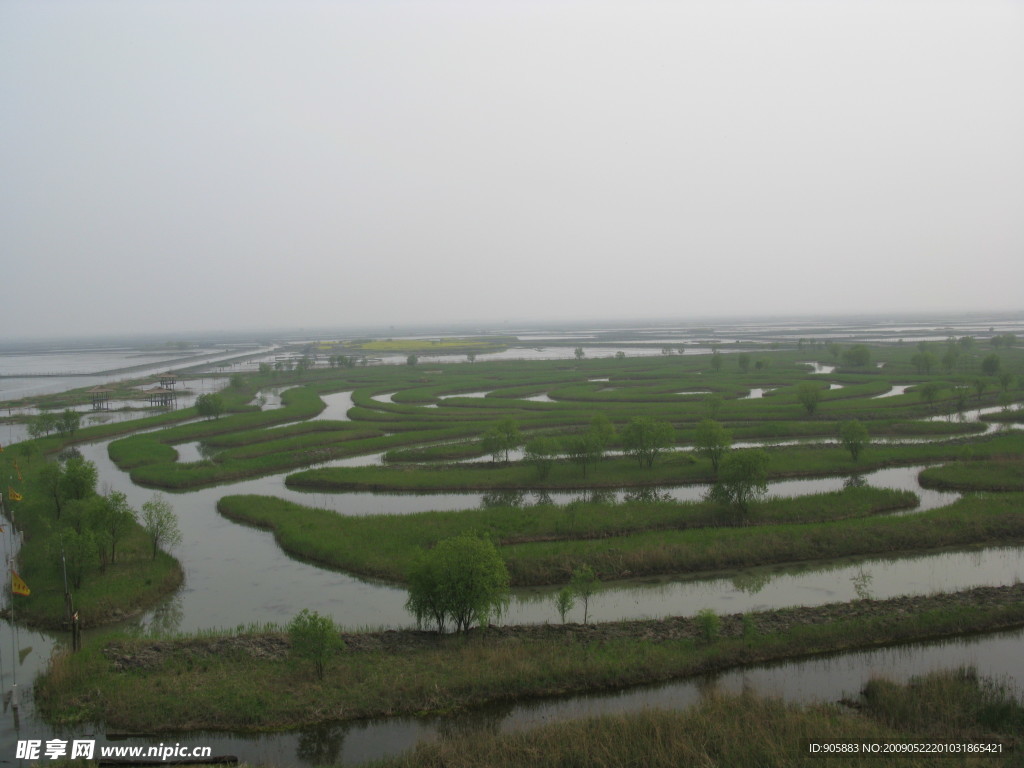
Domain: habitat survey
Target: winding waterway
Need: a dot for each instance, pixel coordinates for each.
(238, 575)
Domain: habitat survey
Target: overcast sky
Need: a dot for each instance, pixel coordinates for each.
(224, 164)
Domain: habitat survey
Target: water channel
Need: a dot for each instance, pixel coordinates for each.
(237, 575)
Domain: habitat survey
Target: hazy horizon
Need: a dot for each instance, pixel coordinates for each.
(195, 166)
(956, 322)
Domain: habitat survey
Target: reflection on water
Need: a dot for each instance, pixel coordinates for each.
(236, 574)
(862, 584)
(770, 587)
(367, 503)
(190, 452)
(338, 405)
(819, 679)
(897, 389)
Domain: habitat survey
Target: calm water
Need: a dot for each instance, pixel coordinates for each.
(820, 679)
(88, 368)
(237, 575)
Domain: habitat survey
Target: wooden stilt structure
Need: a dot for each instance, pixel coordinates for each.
(159, 396)
(100, 398)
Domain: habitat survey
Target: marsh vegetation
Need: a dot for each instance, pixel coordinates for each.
(629, 425)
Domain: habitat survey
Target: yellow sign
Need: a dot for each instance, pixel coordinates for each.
(18, 585)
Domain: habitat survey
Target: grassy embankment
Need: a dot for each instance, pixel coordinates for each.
(1001, 473)
(655, 388)
(557, 540)
(250, 683)
(619, 472)
(742, 730)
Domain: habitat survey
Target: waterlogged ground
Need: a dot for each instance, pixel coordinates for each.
(238, 575)
(820, 679)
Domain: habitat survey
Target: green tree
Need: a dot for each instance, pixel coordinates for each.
(579, 353)
(582, 450)
(950, 359)
(312, 637)
(961, 395)
(565, 599)
(210, 406)
(980, 385)
(80, 553)
(716, 361)
(462, 580)
(710, 625)
(924, 362)
(809, 395)
(743, 361)
(712, 440)
(644, 439)
(77, 479)
(48, 481)
(111, 519)
(929, 391)
(81, 514)
(583, 585)
(712, 405)
(854, 437)
(541, 452)
(160, 523)
(501, 439)
(412, 360)
(28, 450)
(991, 364)
(68, 423)
(857, 356)
(1005, 380)
(42, 424)
(742, 480)
(602, 432)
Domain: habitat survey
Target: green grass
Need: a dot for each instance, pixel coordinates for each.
(255, 445)
(1005, 473)
(214, 683)
(132, 584)
(385, 546)
(983, 519)
(742, 730)
(619, 471)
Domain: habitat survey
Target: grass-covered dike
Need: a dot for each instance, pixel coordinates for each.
(249, 681)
